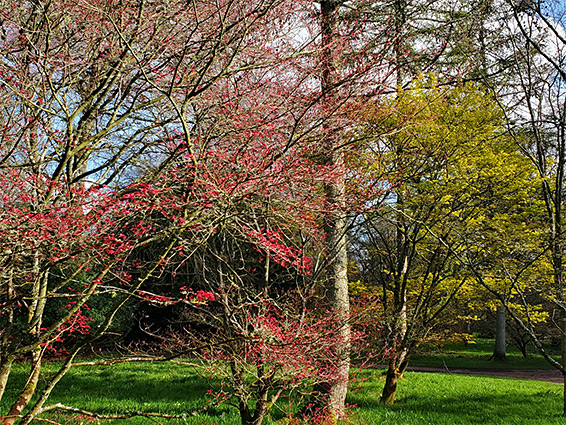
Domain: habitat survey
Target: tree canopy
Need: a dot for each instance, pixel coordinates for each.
(199, 172)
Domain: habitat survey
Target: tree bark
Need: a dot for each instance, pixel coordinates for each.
(5, 368)
(260, 410)
(499, 348)
(563, 355)
(395, 370)
(390, 388)
(27, 392)
(335, 220)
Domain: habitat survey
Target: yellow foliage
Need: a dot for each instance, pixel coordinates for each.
(456, 183)
(440, 339)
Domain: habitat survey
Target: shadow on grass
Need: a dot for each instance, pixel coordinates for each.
(138, 387)
(158, 387)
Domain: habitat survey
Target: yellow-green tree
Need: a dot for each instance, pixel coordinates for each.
(446, 167)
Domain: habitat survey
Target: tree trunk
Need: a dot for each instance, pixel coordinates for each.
(403, 366)
(245, 414)
(261, 407)
(499, 348)
(523, 348)
(5, 368)
(27, 392)
(337, 295)
(390, 388)
(6, 354)
(259, 412)
(563, 354)
(335, 220)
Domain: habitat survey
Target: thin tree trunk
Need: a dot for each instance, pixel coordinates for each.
(260, 407)
(499, 348)
(400, 360)
(395, 370)
(403, 366)
(6, 360)
(563, 354)
(5, 369)
(27, 392)
(260, 410)
(244, 412)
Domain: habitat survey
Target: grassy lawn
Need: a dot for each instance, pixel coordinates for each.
(130, 387)
(477, 356)
(423, 398)
(446, 399)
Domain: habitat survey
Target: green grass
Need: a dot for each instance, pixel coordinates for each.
(129, 387)
(423, 398)
(477, 356)
(446, 399)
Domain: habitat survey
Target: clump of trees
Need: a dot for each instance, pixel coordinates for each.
(213, 159)
(136, 139)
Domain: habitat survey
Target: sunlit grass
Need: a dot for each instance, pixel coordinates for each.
(477, 355)
(130, 387)
(423, 398)
(446, 399)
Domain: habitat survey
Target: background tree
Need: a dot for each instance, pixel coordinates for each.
(534, 49)
(444, 156)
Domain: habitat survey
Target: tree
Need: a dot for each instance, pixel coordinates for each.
(444, 156)
(90, 93)
(534, 51)
(168, 93)
(62, 246)
(500, 342)
(244, 315)
(335, 219)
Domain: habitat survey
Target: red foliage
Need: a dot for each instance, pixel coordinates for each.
(77, 325)
(106, 97)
